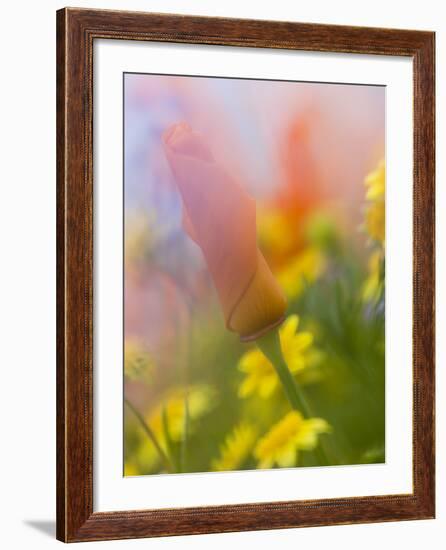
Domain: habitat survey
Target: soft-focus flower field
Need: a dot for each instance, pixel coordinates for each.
(311, 156)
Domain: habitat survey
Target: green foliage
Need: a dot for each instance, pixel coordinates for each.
(345, 387)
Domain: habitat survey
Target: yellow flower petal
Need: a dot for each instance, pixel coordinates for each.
(291, 434)
(200, 400)
(375, 209)
(289, 327)
(247, 387)
(302, 341)
(295, 362)
(310, 429)
(251, 360)
(236, 448)
(287, 457)
(267, 385)
(374, 284)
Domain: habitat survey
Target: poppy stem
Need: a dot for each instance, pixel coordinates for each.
(269, 345)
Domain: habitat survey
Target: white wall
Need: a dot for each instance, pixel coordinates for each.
(27, 218)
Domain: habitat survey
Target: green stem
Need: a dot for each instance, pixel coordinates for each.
(269, 345)
(164, 458)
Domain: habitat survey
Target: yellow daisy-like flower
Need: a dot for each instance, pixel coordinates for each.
(138, 363)
(299, 353)
(144, 459)
(236, 448)
(374, 284)
(291, 434)
(375, 213)
(200, 400)
(303, 269)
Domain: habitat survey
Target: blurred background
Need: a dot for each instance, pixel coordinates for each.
(312, 156)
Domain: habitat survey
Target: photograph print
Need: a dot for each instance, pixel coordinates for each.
(254, 274)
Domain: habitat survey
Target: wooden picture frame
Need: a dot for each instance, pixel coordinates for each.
(76, 31)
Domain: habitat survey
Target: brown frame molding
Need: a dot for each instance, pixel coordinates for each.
(76, 31)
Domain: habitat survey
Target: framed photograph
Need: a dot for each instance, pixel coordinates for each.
(245, 275)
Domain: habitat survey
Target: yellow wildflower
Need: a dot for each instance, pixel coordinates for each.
(200, 400)
(296, 252)
(236, 448)
(375, 225)
(130, 469)
(274, 231)
(376, 182)
(375, 221)
(375, 213)
(261, 375)
(291, 434)
(303, 269)
(374, 284)
(144, 459)
(138, 363)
